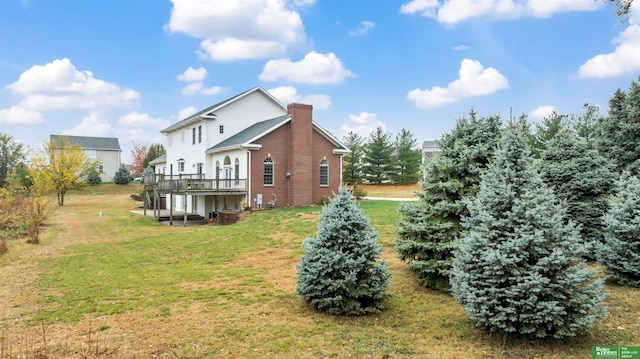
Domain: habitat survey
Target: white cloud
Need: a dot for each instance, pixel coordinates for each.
(460, 47)
(142, 120)
(191, 74)
(542, 112)
(93, 125)
(451, 12)
(624, 59)
(197, 88)
(362, 124)
(186, 112)
(289, 94)
(365, 26)
(474, 80)
(240, 29)
(19, 116)
(58, 85)
(315, 68)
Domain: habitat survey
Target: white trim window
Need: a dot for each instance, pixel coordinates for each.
(324, 173)
(268, 171)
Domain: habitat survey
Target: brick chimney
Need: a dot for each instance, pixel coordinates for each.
(301, 154)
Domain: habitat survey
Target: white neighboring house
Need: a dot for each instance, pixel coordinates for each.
(248, 150)
(106, 150)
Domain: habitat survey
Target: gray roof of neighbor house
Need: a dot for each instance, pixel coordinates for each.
(251, 132)
(92, 143)
(159, 159)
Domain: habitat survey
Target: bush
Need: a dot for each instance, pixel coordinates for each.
(339, 272)
(93, 178)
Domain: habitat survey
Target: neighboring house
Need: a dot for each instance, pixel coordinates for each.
(249, 150)
(429, 148)
(159, 164)
(106, 150)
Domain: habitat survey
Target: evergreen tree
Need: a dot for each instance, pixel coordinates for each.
(122, 175)
(585, 124)
(619, 133)
(352, 166)
(155, 150)
(545, 131)
(406, 159)
(428, 228)
(518, 268)
(378, 156)
(620, 252)
(93, 177)
(582, 179)
(339, 272)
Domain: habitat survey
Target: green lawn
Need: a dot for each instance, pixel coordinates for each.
(144, 289)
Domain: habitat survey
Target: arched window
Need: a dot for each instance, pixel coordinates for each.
(227, 161)
(236, 171)
(268, 172)
(324, 173)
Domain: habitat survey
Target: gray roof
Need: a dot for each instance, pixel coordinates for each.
(217, 106)
(92, 143)
(159, 159)
(251, 132)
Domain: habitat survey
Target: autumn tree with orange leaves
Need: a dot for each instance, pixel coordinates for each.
(138, 155)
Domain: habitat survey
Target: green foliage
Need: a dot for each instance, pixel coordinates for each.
(585, 124)
(546, 131)
(339, 272)
(378, 156)
(620, 251)
(406, 159)
(582, 179)
(11, 155)
(155, 150)
(518, 269)
(122, 175)
(352, 166)
(429, 227)
(93, 177)
(619, 133)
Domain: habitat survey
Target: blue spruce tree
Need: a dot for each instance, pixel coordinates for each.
(429, 227)
(340, 272)
(518, 267)
(620, 252)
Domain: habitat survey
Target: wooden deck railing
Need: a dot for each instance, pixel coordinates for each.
(194, 182)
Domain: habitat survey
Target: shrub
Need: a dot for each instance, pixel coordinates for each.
(122, 176)
(339, 272)
(93, 177)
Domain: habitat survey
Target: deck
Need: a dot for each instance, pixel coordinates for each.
(194, 184)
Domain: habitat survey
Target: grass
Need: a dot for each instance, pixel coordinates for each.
(125, 286)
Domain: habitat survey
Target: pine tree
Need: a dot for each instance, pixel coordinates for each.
(122, 175)
(583, 180)
(620, 252)
(352, 172)
(518, 268)
(378, 156)
(340, 272)
(428, 228)
(406, 158)
(546, 131)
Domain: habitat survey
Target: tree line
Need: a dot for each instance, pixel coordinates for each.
(381, 158)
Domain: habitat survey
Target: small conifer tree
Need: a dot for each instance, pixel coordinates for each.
(122, 176)
(620, 252)
(518, 267)
(340, 272)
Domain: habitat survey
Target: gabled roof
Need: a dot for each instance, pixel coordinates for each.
(245, 137)
(209, 110)
(92, 143)
(159, 159)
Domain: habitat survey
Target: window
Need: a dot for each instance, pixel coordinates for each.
(268, 172)
(193, 140)
(217, 169)
(181, 165)
(221, 128)
(90, 154)
(100, 169)
(199, 134)
(324, 173)
(236, 171)
(182, 135)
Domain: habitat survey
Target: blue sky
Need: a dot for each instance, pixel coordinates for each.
(129, 68)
